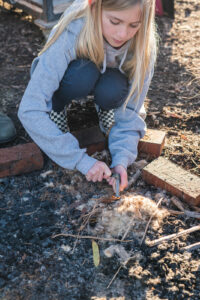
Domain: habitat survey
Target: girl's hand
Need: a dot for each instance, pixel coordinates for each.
(98, 172)
(123, 175)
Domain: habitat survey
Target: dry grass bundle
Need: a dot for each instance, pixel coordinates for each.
(130, 214)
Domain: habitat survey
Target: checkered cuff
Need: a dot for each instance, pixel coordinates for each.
(60, 119)
(106, 120)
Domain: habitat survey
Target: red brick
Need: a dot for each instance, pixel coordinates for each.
(152, 143)
(166, 175)
(93, 139)
(20, 159)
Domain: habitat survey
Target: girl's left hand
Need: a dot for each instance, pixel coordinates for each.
(123, 175)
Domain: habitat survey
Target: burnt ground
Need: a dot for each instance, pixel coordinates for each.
(35, 207)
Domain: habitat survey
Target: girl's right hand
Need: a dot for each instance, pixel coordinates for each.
(98, 172)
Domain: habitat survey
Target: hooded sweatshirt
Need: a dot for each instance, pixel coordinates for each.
(47, 71)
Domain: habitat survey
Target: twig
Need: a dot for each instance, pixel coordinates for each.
(192, 247)
(88, 217)
(129, 227)
(177, 203)
(30, 213)
(189, 213)
(173, 236)
(196, 208)
(194, 162)
(89, 237)
(150, 221)
(192, 214)
(175, 212)
(89, 214)
(114, 276)
(83, 225)
(122, 265)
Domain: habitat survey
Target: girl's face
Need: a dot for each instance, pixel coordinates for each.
(120, 26)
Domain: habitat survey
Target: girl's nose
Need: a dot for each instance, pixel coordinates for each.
(122, 33)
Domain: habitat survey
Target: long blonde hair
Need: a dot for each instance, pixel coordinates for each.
(90, 40)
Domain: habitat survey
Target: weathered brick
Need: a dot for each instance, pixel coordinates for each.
(152, 143)
(93, 139)
(20, 159)
(166, 175)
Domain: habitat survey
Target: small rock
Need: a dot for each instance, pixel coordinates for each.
(66, 248)
(49, 184)
(78, 196)
(140, 164)
(45, 174)
(119, 250)
(42, 269)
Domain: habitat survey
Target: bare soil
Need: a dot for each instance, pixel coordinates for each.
(35, 207)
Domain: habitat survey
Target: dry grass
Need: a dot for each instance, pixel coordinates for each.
(132, 212)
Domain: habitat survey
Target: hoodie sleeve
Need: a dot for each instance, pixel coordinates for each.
(49, 68)
(129, 128)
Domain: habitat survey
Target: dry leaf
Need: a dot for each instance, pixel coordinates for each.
(96, 256)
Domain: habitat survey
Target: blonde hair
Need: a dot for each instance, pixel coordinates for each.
(90, 41)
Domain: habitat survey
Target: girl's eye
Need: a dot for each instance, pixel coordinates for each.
(114, 23)
(134, 26)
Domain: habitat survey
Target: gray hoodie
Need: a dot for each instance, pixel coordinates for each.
(46, 73)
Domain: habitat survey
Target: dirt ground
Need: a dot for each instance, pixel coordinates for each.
(34, 264)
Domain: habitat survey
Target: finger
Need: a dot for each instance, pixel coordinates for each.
(106, 173)
(124, 182)
(88, 177)
(95, 177)
(100, 177)
(110, 180)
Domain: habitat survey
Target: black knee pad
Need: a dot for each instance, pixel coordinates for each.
(111, 89)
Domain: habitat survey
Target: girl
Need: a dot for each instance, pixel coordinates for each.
(106, 48)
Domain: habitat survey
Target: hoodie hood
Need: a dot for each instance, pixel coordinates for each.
(114, 58)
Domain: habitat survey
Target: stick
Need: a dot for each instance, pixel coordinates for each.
(129, 227)
(83, 225)
(192, 247)
(192, 214)
(173, 236)
(114, 277)
(188, 213)
(174, 212)
(196, 208)
(122, 265)
(89, 237)
(178, 203)
(150, 222)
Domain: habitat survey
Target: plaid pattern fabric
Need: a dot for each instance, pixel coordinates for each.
(60, 119)
(106, 120)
